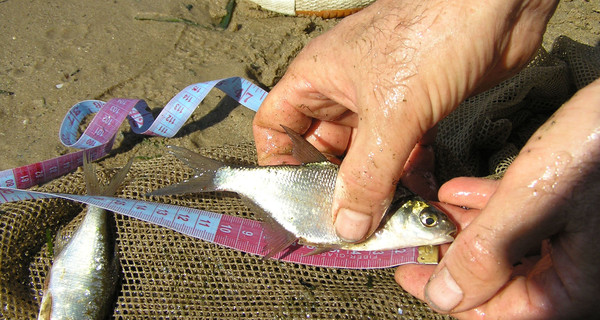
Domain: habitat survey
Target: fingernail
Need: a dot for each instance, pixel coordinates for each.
(351, 225)
(442, 292)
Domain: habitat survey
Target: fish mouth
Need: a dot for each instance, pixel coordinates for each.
(452, 234)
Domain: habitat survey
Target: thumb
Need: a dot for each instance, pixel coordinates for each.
(367, 178)
(534, 201)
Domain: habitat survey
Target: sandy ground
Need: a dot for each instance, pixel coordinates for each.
(54, 54)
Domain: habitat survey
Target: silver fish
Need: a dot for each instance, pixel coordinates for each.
(296, 202)
(83, 277)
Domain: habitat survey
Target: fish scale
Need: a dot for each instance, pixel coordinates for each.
(285, 191)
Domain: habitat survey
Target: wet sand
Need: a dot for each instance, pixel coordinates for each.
(56, 54)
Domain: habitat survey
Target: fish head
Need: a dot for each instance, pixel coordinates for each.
(421, 222)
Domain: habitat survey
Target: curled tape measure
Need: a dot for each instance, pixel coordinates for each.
(233, 232)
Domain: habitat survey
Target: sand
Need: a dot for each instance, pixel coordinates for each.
(54, 54)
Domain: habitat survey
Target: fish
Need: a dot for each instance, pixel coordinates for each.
(84, 275)
(295, 202)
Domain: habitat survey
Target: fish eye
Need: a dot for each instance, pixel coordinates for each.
(429, 219)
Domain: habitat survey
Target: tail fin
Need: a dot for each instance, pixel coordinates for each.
(92, 184)
(203, 181)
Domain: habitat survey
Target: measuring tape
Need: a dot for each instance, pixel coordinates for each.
(110, 115)
(229, 231)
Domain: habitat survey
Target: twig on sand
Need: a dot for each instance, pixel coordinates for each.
(163, 18)
(224, 23)
(159, 17)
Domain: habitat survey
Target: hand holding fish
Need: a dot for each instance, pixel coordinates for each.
(371, 87)
(529, 247)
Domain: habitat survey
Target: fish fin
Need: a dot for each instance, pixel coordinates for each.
(277, 241)
(92, 183)
(202, 183)
(60, 242)
(196, 161)
(277, 238)
(117, 179)
(206, 169)
(46, 307)
(302, 150)
(319, 250)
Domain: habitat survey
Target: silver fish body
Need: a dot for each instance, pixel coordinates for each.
(83, 278)
(296, 201)
(84, 274)
(299, 199)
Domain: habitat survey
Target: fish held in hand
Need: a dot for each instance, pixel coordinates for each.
(295, 201)
(83, 278)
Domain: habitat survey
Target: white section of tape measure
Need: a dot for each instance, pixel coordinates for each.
(180, 108)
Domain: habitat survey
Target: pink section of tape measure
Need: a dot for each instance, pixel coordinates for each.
(233, 232)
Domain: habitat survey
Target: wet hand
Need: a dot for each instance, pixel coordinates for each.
(372, 86)
(529, 248)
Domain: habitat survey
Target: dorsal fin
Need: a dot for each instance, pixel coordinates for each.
(92, 184)
(302, 150)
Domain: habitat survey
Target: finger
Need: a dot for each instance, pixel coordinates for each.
(525, 297)
(529, 205)
(468, 192)
(460, 215)
(368, 174)
(272, 143)
(414, 277)
(273, 147)
(418, 172)
(305, 92)
(330, 138)
(419, 169)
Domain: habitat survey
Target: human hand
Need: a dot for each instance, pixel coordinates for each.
(547, 202)
(372, 86)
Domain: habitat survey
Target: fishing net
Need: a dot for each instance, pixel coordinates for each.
(485, 133)
(165, 274)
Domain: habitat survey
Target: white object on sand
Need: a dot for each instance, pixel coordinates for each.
(323, 8)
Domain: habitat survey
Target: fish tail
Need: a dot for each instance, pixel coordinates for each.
(204, 180)
(93, 185)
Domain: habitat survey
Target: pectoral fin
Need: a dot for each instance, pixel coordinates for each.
(46, 307)
(277, 238)
(320, 250)
(277, 241)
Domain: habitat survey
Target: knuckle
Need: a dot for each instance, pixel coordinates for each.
(479, 262)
